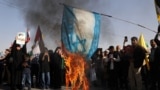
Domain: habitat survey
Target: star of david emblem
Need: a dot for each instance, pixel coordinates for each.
(80, 42)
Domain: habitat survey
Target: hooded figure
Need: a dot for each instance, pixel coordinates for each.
(57, 62)
(17, 53)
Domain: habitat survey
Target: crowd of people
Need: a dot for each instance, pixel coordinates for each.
(21, 70)
(115, 68)
(120, 68)
(132, 67)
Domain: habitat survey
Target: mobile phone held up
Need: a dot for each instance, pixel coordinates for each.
(125, 39)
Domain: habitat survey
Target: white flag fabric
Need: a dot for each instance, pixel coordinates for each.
(36, 49)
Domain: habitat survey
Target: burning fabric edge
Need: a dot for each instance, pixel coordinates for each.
(80, 35)
(75, 70)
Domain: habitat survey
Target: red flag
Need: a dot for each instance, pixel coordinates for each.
(38, 35)
(39, 40)
(28, 36)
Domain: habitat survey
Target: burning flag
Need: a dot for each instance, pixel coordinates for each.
(75, 70)
(80, 30)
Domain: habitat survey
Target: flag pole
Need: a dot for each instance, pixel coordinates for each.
(139, 25)
(129, 22)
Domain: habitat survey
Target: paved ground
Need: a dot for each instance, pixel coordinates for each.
(63, 88)
(5, 87)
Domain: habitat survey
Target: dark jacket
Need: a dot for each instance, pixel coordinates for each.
(157, 40)
(157, 57)
(139, 55)
(115, 55)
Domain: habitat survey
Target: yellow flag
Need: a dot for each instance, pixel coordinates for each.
(142, 43)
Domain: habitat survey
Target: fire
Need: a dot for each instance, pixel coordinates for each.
(75, 73)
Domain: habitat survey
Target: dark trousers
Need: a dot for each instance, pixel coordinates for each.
(16, 79)
(6, 74)
(145, 77)
(1, 70)
(113, 80)
(35, 80)
(155, 77)
(63, 77)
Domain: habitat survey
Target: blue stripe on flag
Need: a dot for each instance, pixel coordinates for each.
(95, 40)
(71, 24)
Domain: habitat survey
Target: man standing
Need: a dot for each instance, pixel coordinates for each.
(138, 56)
(156, 62)
(157, 59)
(152, 64)
(113, 59)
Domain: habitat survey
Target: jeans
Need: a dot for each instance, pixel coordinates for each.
(46, 79)
(26, 76)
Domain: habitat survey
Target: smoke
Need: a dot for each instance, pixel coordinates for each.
(48, 15)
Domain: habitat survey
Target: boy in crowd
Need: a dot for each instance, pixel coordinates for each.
(26, 73)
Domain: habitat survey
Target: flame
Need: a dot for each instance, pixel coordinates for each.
(75, 72)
